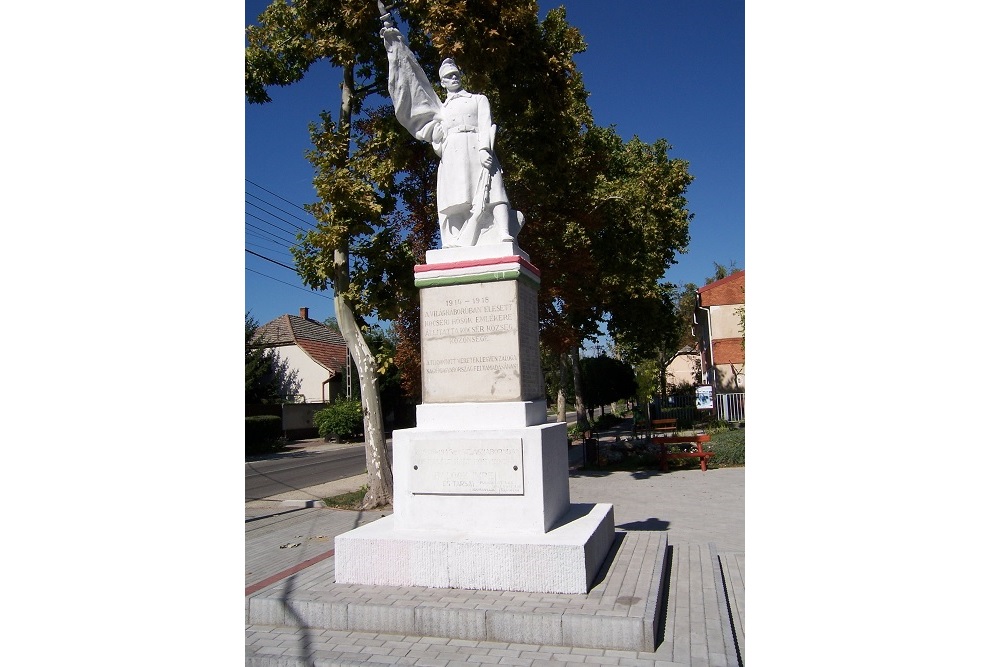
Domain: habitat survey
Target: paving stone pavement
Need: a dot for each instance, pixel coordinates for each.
(701, 513)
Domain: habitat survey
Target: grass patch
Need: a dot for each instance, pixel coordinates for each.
(729, 447)
(347, 501)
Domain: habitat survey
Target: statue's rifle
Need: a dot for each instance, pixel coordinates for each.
(479, 208)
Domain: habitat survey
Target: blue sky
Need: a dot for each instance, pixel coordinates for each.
(655, 69)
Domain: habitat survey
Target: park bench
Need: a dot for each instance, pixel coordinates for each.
(664, 425)
(689, 448)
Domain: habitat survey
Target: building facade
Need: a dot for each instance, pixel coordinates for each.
(718, 326)
(312, 357)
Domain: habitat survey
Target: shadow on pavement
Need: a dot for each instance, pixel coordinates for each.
(648, 524)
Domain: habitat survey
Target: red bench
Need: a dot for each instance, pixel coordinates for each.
(689, 445)
(664, 425)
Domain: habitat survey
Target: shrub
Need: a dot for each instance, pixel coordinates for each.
(263, 434)
(729, 448)
(342, 419)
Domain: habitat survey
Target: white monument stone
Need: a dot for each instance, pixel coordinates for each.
(481, 498)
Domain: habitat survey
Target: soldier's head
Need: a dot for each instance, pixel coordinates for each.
(451, 76)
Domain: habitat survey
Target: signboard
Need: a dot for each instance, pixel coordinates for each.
(703, 397)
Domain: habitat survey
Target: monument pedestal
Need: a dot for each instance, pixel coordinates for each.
(481, 498)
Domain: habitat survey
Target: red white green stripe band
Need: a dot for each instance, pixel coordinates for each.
(491, 269)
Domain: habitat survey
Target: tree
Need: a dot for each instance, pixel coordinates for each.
(722, 272)
(261, 379)
(605, 380)
(268, 378)
(291, 37)
(575, 183)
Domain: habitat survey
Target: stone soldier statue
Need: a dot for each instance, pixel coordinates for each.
(473, 208)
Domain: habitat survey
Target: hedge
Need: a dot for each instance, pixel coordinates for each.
(263, 433)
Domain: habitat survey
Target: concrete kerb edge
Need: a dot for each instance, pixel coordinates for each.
(732, 653)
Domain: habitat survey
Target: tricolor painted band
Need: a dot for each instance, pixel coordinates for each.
(492, 276)
(483, 263)
(470, 270)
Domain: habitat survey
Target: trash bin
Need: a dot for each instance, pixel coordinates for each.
(590, 455)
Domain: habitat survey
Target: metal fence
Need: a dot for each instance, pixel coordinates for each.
(729, 407)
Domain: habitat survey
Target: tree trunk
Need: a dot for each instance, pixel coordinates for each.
(581, 412)
(376, 455)
(561, 394)
(663, 375)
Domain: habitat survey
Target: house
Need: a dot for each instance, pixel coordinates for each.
(684, 368)
(311, 356)
(718, 326)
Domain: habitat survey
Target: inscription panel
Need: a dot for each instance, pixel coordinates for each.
(480, 467)
(470, 343)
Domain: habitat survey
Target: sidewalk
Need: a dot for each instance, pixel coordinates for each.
(701, 513)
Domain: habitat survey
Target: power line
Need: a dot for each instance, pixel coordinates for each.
(267, 232)
(257, 245)
(279, 209)
(313, 292)
(266, 222)
(273, 261)
(271, 193)
(259, 208)
(264, 238)
(271, 236)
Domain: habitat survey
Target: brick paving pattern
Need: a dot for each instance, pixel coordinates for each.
(701, 515)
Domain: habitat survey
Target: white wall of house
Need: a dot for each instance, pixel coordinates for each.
(684, 369)
(727, 380)
(310, 374)
(726, 321)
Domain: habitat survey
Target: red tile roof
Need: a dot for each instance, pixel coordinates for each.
(324, 345)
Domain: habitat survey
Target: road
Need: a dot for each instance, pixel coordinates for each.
(298, 470)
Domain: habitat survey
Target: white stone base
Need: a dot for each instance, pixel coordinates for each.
(524, 473)
(505, 414)
(483, 251)
(563, 560)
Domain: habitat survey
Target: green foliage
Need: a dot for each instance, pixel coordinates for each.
(722, 272)
(263, 435)
(605, 380)
(604, 217)
(729, 448)
(645, 325)
(647, 379)
(343, 419)
(262, 378)
(714, 426)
